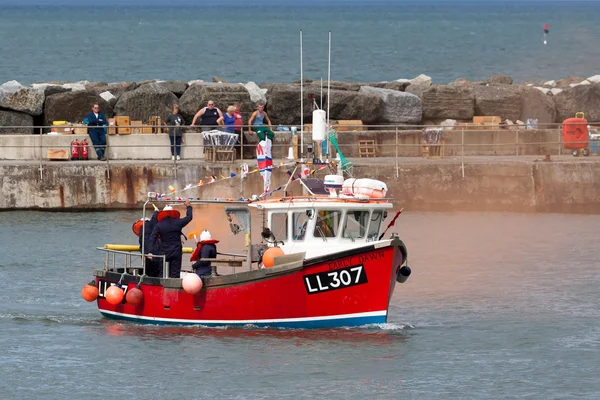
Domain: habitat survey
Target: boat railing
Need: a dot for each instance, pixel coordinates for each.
(123, 261)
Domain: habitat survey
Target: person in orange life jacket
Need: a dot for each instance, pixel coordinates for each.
(143, 228)
(209, 115)
(166, 237)
(97, 131)
(206, 248)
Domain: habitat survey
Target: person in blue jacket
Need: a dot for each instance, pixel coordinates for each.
(96, 130)
(166, 237)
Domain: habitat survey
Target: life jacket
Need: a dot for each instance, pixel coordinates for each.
(196, 253)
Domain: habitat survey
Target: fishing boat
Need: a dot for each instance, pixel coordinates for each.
(333, 266)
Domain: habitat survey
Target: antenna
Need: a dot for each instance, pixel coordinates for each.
(321, 93)
(328, 92)
(301, 103)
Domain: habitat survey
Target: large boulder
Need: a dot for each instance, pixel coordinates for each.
(503, 101)
(14, 96)
(537, 105)
(223, 94)
(394, 85)
(116, 89)
(582, 98)
(496, 80)
(73, 106)
(16, 119)
(398, 107)
(147, 100)
(466, 82)
(283, 104)
(566, 83)
(178, 88)
(445, 102)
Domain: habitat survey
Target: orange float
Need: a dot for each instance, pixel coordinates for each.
(114, 295)
(90, 292)
(268, 258)
(135, 297)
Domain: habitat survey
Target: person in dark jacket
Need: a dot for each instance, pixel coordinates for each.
(206, 248)
(96, 130)
(168, 231)
(153, 266)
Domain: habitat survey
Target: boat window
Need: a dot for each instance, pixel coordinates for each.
(299, 222)
(327, 224)
(376, 220)
(355, 226)
(279, 226)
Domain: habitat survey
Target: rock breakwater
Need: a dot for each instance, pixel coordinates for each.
(404, 101)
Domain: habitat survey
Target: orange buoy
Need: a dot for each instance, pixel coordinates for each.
(135, 297)
(114, 294)
(192, 283)
(90, 292)
(268, 257)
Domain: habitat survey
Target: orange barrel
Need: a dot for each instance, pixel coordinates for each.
(575, 132)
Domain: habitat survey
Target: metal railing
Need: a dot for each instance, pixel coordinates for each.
(397, 141)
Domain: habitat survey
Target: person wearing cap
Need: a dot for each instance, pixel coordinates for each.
(206, 248)
(144, 227)
(166, 237)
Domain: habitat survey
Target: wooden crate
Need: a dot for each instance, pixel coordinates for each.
(123, 123)
(136, 127)
(434, 150)
(64, 129)
(156, 123)
(366, 148)
(112, 130)
(80, 129)
(349, 125)
(224, 156)
(146, 129)
(487, 122)
(58, 154)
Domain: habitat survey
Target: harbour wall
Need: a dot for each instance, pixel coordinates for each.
(523, 185)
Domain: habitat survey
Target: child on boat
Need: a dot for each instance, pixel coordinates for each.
(206, 248)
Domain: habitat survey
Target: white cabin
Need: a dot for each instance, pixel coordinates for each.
(320, 225)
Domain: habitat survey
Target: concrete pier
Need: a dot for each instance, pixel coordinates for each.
(501, 183)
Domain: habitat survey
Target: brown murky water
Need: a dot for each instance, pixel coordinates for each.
(498, 306)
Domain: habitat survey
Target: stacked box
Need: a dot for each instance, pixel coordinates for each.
(112, 130)
(136, 127)
(123, 125)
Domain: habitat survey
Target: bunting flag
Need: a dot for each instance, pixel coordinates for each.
(308, 171)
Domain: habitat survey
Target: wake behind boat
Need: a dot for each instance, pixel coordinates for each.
(321, 262)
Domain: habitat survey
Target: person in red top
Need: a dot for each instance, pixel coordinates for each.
(238, 125)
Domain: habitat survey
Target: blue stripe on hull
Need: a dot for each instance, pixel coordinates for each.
(316, 324)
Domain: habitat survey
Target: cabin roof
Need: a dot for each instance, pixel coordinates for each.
(321, 202)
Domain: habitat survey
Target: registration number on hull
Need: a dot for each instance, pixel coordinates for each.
(333, 280)
(103, 285)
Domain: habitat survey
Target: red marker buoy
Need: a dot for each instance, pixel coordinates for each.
(135, 297)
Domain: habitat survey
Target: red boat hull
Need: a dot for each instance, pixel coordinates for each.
(350, 288)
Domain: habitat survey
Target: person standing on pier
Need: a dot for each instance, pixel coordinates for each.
(209, 115)
(96, 130)
(166, 237)
(174, 122)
